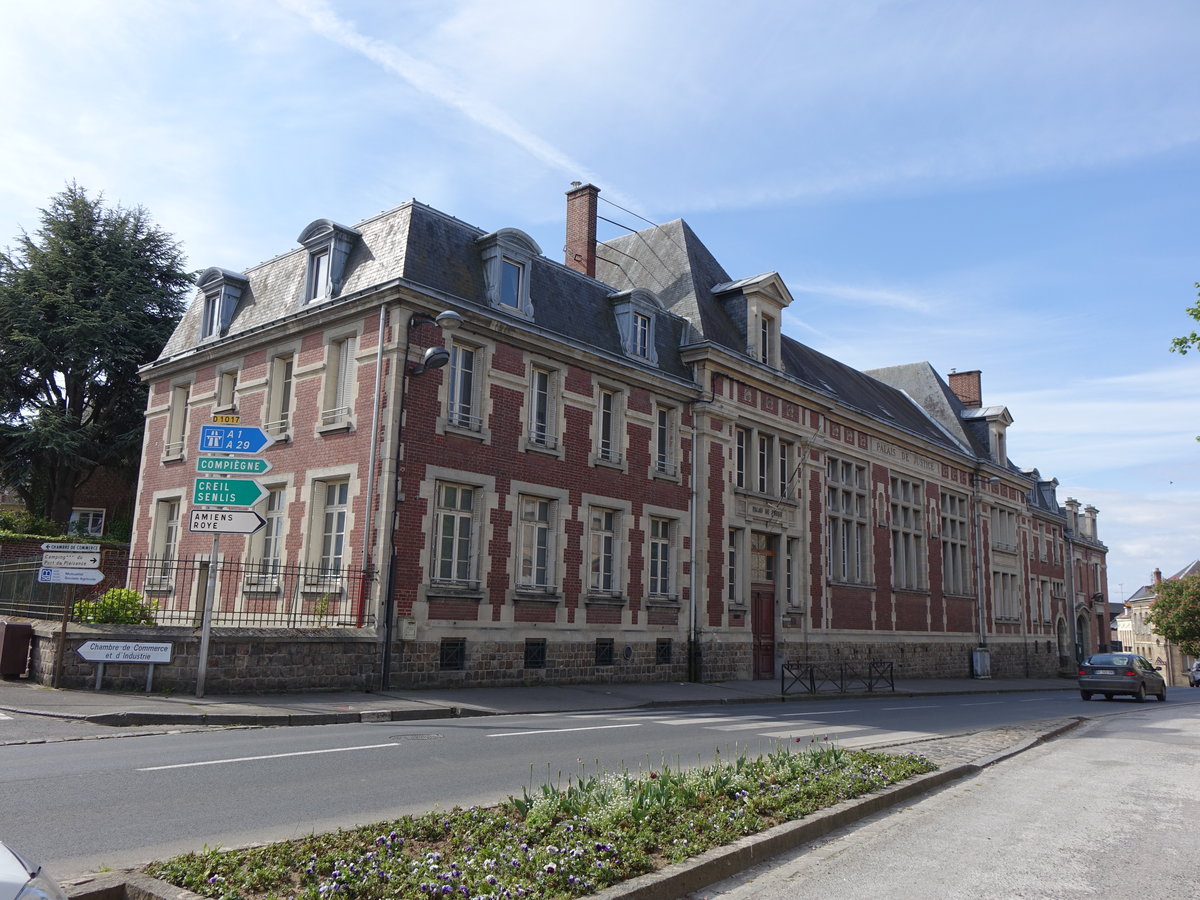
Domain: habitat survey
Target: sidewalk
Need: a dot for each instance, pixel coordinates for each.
(127, 708)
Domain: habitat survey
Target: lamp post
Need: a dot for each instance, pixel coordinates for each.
(433, 358)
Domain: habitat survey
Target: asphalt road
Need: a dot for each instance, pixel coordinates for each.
(1107, 810)
(81, 805)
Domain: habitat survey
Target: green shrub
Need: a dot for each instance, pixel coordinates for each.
(20, 521)
(117, 606)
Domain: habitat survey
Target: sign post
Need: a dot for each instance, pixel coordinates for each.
(228, 437)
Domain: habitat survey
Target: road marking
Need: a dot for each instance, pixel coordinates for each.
(238, 759)
(562, 730)
(985, 703)
(890, 708)
(3, 716)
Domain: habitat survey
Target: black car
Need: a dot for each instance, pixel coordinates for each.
(1120, 673)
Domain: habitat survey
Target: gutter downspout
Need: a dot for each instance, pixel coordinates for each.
(693, 650)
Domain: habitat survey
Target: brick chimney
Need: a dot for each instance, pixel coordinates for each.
(1158, 576)
(581, 228)
(968, 387)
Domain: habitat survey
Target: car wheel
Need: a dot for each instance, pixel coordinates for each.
(1086, 695)
(1162, 695)
(1140, 696)
(1108, 696)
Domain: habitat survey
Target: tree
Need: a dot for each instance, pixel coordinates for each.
(85, 301)
(1182, 345)
(1175, 613)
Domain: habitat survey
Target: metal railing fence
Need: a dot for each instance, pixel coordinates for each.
(813, 678)
(248, 593)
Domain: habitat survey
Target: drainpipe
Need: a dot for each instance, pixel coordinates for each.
(693, 649)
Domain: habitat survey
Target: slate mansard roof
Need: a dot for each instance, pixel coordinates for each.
(418, 246)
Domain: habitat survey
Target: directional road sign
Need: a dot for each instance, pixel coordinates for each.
(234, 439)
(227, 492)
(232, 465)
(56, 560)
(226, 521)
(70, 576)
(71, 548)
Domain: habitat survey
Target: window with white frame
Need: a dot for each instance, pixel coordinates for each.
(603, 551)
(165, 544)
(279, 396)
(908, 534)
(847, 514)
(956, 578)
(786, 467)
(1004, 529)
(741, 448)
(318, 286)
(664, 440)
(210, 323)
(641, 334)
(764, 463)
(334, 497)
(662, 534)
(267, 545)
(543, 406)
(462, 391)
(732, 567)
(608, 426)
(1005, 598)
(512, 275)
(227, 389)
(454, 534)
(791, 594)
(341, 370)
(768, 337)
(535, 546)
(177, 415)
(86, 522)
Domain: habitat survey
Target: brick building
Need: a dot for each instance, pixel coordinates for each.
(611, 469)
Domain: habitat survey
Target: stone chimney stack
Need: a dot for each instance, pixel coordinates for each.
(968, 387)
(1089, 522)
(581, 228)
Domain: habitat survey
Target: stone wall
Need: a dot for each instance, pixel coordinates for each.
(248, 661)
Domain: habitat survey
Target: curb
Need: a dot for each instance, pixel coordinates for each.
(677, 879)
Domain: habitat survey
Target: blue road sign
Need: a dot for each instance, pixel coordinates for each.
(233, 439)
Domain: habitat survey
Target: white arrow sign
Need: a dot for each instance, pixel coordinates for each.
(124, 651)
(71, 548)
(221, 521)
(70, 576)
(71, 560)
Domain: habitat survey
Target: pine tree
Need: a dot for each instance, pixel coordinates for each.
(91, 296)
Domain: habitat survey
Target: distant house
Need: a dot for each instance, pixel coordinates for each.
(1136, 634)
(500, 469)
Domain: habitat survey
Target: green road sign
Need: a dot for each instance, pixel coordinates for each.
(227, 492)
(232, 465)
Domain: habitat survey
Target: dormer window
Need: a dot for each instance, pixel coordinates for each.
(757, 304)
(222, 290)
(508, 256)
(637, 312)
(328, 245)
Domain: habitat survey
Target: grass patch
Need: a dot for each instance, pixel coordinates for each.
(553, 841)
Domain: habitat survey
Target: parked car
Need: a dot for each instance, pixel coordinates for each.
(21, 880)
(1194, 674)
(1120, 673)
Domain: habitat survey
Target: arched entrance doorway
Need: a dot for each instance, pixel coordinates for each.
(1082, 642)
(1061, 636)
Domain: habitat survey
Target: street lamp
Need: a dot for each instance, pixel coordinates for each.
(433, 358)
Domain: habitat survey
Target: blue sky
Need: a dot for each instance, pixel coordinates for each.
(1009, 186)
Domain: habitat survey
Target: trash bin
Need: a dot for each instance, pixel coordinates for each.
(15, 638)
